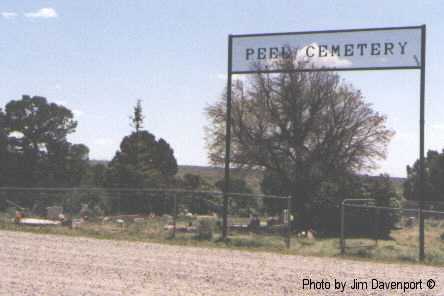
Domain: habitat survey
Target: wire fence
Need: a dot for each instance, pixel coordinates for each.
(253, 219)
(390, 233)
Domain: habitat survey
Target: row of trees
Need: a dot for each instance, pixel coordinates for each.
(310, 133)
(35, 152)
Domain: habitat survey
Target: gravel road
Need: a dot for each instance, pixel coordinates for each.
(48, 265)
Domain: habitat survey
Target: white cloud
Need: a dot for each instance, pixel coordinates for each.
(103, 142)
(221, 76)
(407, 136)
(328, 61)
(234, 77)
(8, 14)
(78, 112)
(46, 12)
(61, 102)
(438, 126)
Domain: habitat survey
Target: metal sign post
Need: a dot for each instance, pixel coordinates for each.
(395, 48)
(227, 142)
(421, 146)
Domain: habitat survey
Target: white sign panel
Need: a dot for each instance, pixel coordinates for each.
(353, 49)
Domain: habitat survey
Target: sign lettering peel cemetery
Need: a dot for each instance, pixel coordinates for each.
(336, 50)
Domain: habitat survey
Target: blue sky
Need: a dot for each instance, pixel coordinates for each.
(99, 57)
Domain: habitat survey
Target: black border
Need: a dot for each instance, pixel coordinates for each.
(328, 70)
(325, 31)
(234, 36)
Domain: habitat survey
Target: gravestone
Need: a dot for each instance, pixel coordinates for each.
(53, 213)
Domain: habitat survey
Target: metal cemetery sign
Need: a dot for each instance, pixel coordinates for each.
(340, 50)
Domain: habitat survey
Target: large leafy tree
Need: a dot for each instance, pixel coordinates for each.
(433, 178)
(301, 127)
(34, 133)
(66, 164)
(39, 120)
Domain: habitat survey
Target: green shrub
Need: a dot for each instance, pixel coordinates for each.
(325, 207)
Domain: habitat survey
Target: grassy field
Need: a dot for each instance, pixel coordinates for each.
(213, 174)
(402, 247)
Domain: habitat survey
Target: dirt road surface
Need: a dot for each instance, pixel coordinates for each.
(48, 265)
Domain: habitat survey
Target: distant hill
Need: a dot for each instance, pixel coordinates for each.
(253, 178)
(213, 174)
(398, 182)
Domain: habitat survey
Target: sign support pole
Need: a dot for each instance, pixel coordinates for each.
(421, 146)
(260, 54)
(289, 211)
(227, 143)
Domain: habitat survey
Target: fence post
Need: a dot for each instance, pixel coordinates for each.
(376, 217)
(342, 241)
(119, 209)
(174, 214)
(69, 203)
(289, 223)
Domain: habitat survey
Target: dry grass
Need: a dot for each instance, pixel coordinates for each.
(403, 247)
